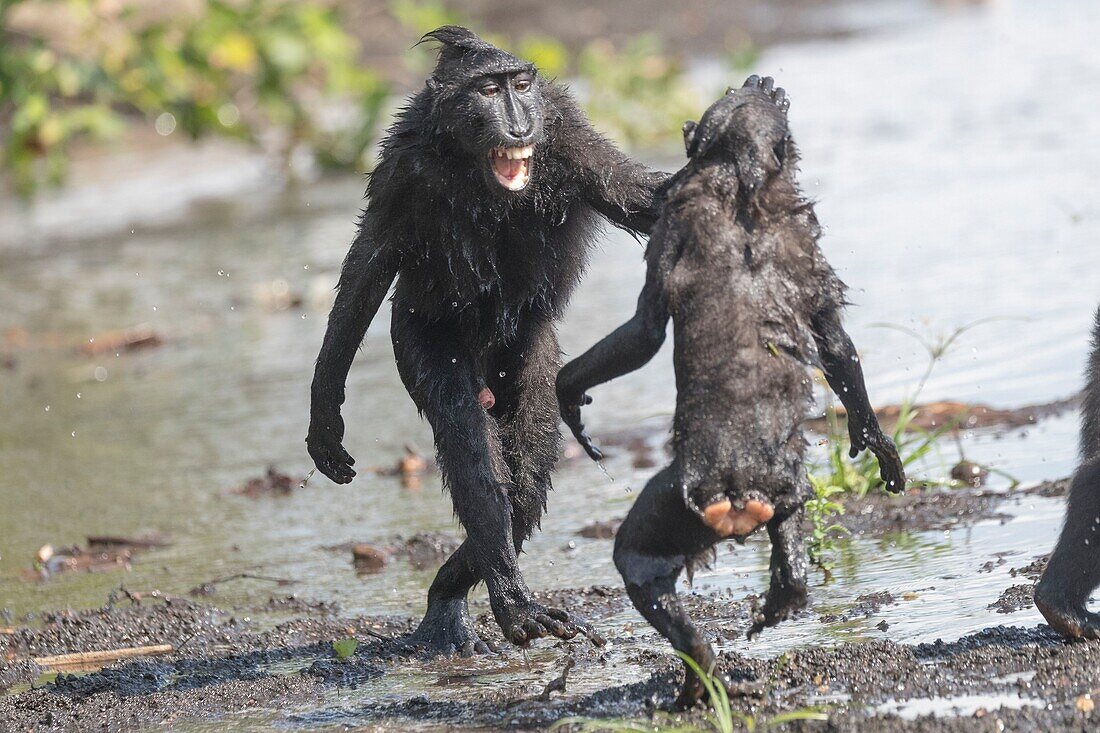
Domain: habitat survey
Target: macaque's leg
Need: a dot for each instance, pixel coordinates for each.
(1073, 572)
(445, 384)
(658, 538)
(527, 409)
(787, 591)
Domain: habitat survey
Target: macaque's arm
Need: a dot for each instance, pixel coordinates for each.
(626, 349)
(844, 374)
(368, 272)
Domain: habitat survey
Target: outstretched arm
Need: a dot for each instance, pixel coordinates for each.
(625, 192)
(629, 347)
(368, 271)
(844, 374)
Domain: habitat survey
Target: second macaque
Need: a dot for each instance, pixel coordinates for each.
(734, 261)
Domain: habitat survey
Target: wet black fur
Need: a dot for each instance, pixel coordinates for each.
(483, 274)
(734, 262)
(1073, 572)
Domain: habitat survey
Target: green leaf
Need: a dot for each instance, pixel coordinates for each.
(344, 648)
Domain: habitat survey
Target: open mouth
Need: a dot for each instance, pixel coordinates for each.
(512, 166)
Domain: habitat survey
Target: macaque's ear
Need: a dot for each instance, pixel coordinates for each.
(689, 136)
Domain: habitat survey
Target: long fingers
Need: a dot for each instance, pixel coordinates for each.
(585, 440)
(891, 468)
(552, 622)
(334, 462)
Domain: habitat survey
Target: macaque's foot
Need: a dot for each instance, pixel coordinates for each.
(767, 86)
(728, 519)
(693, 692)
(486, 398)
(690, 695)
(447, 631)
(1068, 619)
(523, 621)
(781, 603)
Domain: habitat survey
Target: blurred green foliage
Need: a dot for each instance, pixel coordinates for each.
(282, 74)
(638, 93)
(276, 72)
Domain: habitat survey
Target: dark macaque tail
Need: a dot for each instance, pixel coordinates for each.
(1073, 572)
(1090, 408)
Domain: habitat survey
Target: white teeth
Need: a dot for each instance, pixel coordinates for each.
(514, 153)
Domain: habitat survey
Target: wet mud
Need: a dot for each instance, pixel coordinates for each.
(278, 657)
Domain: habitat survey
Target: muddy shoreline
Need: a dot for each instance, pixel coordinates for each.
(277, 656)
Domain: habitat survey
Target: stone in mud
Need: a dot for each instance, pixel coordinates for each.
(368, 557)
(970, 474)
(600, 530)
(272, 483)
(1014, 598)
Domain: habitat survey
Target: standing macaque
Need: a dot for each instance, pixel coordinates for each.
(734, 262)
(489, 191)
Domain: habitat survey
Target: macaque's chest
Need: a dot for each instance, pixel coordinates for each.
(488, 276)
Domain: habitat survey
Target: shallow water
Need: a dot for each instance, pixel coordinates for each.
(957, 163)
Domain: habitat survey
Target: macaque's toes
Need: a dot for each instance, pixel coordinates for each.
(767, 83)
(486, 398)
(753, 82)
(555, 627)
(534, 629)
(725, 520)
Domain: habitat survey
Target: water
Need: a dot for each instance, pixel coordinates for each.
(957, 165)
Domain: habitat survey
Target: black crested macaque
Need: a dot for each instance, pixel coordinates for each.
(734, 261)
(1073, 572)
(488, 193)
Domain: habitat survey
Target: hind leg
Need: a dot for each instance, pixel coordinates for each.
(1073, 572)
(443, 381)
(659, 537)
(787, 592)
(527, 411)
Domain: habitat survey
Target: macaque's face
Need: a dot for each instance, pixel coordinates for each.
(502, 114)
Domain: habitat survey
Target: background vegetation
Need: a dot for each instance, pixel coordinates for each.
(282, 75)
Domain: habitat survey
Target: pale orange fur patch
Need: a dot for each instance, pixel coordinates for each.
(726, 521)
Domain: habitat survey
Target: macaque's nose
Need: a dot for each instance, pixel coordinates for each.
(521, 133)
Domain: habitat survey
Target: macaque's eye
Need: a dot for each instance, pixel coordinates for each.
(522, 85)
(490, 90)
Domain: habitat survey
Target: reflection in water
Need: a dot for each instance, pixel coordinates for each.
(948, 198)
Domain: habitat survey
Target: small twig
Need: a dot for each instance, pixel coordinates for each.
(102, 657)
(208, 586)
(558, 683)
(187, 640)
(376, 635)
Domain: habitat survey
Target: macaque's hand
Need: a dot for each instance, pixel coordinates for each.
(870, 436)
(324, 441)
(570, 408)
